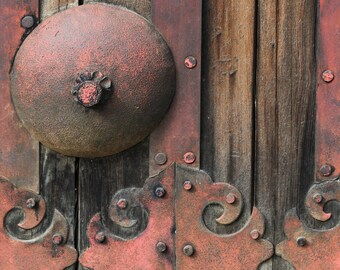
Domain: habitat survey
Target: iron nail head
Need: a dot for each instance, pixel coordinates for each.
(255, 234)
(188, 250)
(231, 198)
(160, 192)
(301, 241)
(161, 247)
(100, 237)
(187, 185)
(189, 157)
(27, 21)
(328, 76)
(161, 158)
(326, 169)
(317, 198)
(190, 62)
(30, 203)
(122, 203)
(57, 239)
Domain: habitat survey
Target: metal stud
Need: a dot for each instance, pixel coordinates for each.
(161, 247)
(160, 192)
(57, 239)
(161, 158)
(188, 250)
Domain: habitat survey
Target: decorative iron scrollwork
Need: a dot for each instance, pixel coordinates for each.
(308, 248)
(108, 251)
(46, 251)
(177, 192)
(215, 251)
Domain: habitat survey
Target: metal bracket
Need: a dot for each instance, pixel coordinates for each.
(169, 242)
(19, 153)
(46, 251)
(307, 248)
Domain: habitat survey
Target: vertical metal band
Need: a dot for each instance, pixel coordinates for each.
(19, 153)
(177, 139)
(328, 92)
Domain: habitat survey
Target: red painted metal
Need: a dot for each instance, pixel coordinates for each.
(19, 159)
(211, 251)
(141, 252)
(93, 42)
(308, 249)
(175, 217)
(41, 252)
(180, 24)
(328, 94)
(320, 194)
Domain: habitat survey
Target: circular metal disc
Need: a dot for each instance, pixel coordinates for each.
(93, 80)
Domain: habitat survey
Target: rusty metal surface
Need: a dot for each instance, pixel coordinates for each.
(320, 194)
(45, 251)
(308, 249)
(180, 24)
(141, 252)
(328, 94)
(92, 39)
(175, 202)
(244, 249)
(18, 151)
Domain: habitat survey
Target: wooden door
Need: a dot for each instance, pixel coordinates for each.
(255, 151)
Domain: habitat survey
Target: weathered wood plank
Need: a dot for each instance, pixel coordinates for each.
(285, 92)
(227, 94)
(142, 7)
(50, 7)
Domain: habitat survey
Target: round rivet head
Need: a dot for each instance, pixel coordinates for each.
(255, 234)
(27, 21)
(301, 241)
(161, 247)
(328, 76)
(326, 169)
(160, 192)
(231, 198)
(122, 203)
(189, 158)
(317, 198)
(190, 62)
(30, 203)
(187, 185)
(100, 237)
(57, 239)
(89, 88)
(188, 250)
(161, 158)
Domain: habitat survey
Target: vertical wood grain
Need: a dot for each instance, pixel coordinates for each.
(50, 7)
(227, 94)
(142, 7)
(285, 104)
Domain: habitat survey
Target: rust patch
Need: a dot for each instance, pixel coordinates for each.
(308, 249)
(19, 160)
(328, 94)
(128, 50)
(182, 123)
(41, 252)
